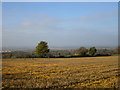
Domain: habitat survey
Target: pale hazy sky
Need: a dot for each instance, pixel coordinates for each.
(60, 24)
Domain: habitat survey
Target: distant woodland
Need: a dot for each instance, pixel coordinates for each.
(42, 51)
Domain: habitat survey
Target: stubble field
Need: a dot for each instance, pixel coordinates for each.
(84, 72)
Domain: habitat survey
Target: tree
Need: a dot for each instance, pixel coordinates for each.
(42, 49)
(92, 51)
(82, 51)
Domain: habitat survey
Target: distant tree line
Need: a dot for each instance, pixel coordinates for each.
(42, 51)
(82, 51)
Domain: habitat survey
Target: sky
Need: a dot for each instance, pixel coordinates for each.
(60, 0)
(61, 24)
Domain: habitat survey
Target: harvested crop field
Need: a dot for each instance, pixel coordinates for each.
(83, 72)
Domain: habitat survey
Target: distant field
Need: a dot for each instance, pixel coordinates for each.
(88, 72)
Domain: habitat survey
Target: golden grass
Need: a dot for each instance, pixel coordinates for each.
(84, 72)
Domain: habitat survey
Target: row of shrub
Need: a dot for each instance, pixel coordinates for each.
(51, 56)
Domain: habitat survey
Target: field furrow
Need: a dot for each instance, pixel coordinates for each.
(61, 72)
